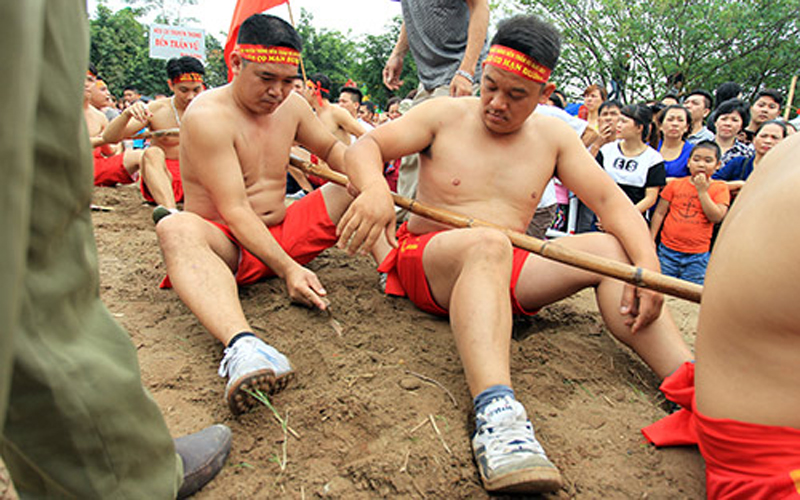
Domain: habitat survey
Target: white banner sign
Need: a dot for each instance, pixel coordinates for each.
(167, 42)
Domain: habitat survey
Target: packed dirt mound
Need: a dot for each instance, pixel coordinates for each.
(383, 410)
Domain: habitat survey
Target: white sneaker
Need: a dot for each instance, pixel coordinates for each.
(250, 365)
(509, 458)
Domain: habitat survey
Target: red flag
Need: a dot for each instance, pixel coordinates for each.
(243, 10)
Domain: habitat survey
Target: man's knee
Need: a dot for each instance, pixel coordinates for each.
(153, 155)
(179, 230)
(487, 245)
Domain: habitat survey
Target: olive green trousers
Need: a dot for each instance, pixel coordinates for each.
(75, 419)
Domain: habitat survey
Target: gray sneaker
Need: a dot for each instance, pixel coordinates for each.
(509, 458)
(251, 364)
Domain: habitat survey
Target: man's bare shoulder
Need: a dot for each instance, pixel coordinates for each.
(97, 114)
(213, 109)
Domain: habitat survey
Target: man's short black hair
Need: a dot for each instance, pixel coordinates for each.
(131, 88)
(178, 66)
(93, 70)
(358, 96)
(267, 30)
(611, 103)
(531, 36)
(323, 83)
(393, 100)
(731, 106)
(772, 94)
(725, 91)
(706, 144)
(709, 99)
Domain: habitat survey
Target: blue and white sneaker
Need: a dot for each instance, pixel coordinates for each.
(249, 365)
(509, 458)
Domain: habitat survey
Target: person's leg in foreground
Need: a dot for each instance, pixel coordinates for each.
(76, 420)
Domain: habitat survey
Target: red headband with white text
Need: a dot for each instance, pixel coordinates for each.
(518, 63)
(188, 78)
(272, 54)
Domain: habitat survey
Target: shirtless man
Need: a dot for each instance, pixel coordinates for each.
(336, 119)
(745, 414)
(235, 229)
(476, 159)
(112, 165)
(161, 174)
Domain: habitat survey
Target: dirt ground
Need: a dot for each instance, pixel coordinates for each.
(364, 404)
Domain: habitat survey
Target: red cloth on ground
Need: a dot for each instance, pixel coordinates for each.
(174, 168)
(305, 232)
(110, 171)
(743, 460)
(406, 275)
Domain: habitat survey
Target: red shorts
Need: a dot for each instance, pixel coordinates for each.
(174, 167)
(305, 232)
(110, 171)
(743, 460)
(406, 274)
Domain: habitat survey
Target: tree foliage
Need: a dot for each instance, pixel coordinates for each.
(372, 56)
(752, 42)
(120, 49)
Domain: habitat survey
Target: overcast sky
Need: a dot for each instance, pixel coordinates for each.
(359, 16)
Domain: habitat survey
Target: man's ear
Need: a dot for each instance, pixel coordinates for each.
(547, 90)
(237, 63)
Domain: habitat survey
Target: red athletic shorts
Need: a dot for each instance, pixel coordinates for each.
(109, 171)
(305, 232)
(743, 460)
(406, 275)
(174, 168)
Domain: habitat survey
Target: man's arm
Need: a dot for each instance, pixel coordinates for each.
(207, 146)
(346, 121)
(394, 65)
(133, 119)
(658, 217)
(476, 37)
(372, 212)
(313, 135)
(578, 171)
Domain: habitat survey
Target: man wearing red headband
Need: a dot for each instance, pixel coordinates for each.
(160, 169)
(236, 229)
(491, 157)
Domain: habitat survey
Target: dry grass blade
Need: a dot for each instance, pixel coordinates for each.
(441, 438)
(436, 383)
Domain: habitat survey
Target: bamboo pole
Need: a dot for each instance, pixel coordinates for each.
(302, 64)
(551, 250)
(158, 133)
(788, 109)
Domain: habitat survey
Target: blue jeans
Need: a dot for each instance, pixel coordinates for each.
(687, 266)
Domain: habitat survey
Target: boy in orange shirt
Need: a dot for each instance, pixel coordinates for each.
(689, 207)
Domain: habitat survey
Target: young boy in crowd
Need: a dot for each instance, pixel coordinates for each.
(689, 207)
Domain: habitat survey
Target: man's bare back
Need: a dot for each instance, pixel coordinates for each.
(748, 342)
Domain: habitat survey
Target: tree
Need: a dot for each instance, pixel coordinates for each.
(168, 11)
(120, 51)
(373, 53)
(326, 51)
(752, 42)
